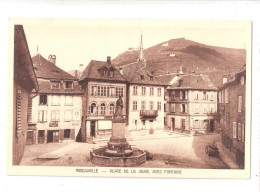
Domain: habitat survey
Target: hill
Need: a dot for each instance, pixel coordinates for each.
(192, 56)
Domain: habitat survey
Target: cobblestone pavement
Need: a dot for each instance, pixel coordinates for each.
(169, 150)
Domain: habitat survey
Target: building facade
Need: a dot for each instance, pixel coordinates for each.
(102, 85)
(56, 110)
(146, 97)
(191, 103)
(24, 82)
(231, 108)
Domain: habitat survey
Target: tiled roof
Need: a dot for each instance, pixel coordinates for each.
(165, 79)
(133, 72)
(193, 81)
(92, 72)
(45, 87)
(48, 70)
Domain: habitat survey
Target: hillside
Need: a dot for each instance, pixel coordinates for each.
(192, 56)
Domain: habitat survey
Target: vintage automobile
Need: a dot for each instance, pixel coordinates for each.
(212, 150)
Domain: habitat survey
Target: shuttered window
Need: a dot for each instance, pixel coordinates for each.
(234, 130)
(18, 113)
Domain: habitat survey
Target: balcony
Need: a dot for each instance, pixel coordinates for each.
(148, 113)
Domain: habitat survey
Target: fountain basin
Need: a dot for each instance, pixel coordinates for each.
(99, 157)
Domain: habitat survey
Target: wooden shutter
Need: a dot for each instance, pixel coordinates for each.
(18, 113)
(186, 94)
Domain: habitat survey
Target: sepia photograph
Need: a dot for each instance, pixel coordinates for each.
(130, 97)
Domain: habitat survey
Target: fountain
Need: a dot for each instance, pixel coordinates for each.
(118, 152)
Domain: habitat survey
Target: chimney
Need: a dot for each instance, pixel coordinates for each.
(180, 71)
(108, 60)
(80, 67)
(52, 59)
(225, 79)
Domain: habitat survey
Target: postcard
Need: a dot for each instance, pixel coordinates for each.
(129, 98)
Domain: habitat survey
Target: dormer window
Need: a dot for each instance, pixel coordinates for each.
(142, 77)
(111, 73)
(68, 85)
(55, 85)
(151, 78)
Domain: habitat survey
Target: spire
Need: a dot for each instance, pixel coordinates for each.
(141, 51)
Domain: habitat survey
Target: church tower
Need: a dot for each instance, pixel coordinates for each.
(141, 53)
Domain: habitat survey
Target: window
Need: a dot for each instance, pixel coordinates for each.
(93, 90)
(243, 132)
(173, 107)
(98, 92)
(151, 90)
(111, 73)
(135, 88)
(55, 116)
(242, 80)
(93, 109)
(105, 91)
(112, 109)
(66, 133)
(68, 85)
(183, 108)
(68, 100)
(183, 123)
(134, 105)
(196, 106)
(103, 109)
(68, 116)
(234, 130)
(159, 91)
(239, 103)
(151, 105)
(119, 91)
(211, 97)
(43, 99)
(102, 91)
(172, 94)
(143, 105)
(141, 77)
(151, 78)
(55, 100)
(159, 106)
(212, 108)
(204, 95)
(43, 116)
(196, 95)
(222, 97)
(239, 132)
(205, 108)
(226, 95)
(183, 95)
(143, 91)
(55, 85)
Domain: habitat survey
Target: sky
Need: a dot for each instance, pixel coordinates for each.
(76, 43)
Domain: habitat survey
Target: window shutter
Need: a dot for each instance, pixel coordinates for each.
(186, 94)
(234, 130)
(181, 108)
(180, 94)
(18, 113)
(44, 115)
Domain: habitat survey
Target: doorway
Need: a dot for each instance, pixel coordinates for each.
(93, 128)
(53, 136)
(211, 125)
(173, 124)
(29, 139)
